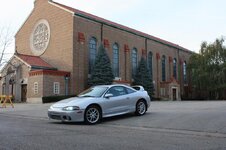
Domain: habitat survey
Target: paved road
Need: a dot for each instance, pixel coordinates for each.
(167, 125)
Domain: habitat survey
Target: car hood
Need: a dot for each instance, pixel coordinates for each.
(74, 101)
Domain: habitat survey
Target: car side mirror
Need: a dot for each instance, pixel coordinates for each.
(108, 95)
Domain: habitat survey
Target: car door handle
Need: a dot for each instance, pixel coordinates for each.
(127, 98)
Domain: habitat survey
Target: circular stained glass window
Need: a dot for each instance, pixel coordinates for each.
(40, 37)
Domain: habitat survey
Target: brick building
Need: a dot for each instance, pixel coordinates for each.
(55, 50)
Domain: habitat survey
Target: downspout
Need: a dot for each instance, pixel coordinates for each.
(179, 74)
(179, 69)
(146, 48)
(125, 66)
(157, 83)
(101, 32)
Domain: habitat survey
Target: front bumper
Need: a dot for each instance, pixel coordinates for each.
(66, 116)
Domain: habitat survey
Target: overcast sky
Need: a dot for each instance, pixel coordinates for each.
(183, 22)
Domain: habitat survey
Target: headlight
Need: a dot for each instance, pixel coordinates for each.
(71, 108)
(51, 107)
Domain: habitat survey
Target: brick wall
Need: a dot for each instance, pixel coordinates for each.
(48, 84)
(66, 53)
(90, 28)
(60, 48)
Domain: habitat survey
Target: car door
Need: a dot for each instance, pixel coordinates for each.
(118, 103)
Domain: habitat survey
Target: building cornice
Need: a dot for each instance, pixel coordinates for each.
(49, 72)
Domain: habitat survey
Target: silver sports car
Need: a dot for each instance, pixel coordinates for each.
(99, 102)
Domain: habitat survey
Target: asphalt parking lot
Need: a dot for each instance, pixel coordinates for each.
(166, 125)
(202, 116)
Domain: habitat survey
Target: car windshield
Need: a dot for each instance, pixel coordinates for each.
(93, 92)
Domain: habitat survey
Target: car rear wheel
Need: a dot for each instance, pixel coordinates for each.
(92, 115)
(141, 108)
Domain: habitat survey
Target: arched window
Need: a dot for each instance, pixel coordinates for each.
(115, 60)
(92, 53)
(150, 62)
(134, 62)
(163, 68)
(175, 68)
(185, 72)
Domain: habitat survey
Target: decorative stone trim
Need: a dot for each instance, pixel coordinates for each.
(181, 61)
(126, 48)
(49, 72)
(144, 52)
(157, 56)
(81, 37)
(106, 43)
(170, 59)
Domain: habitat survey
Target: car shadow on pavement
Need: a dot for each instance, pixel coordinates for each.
(116, 118)
(123, 117)
(104, 120)
(66, 123)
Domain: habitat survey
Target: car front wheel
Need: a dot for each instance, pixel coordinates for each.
(92, 115)
(141, 108)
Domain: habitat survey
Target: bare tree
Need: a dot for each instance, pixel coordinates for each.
(6, 40)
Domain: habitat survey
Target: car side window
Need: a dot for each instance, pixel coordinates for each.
(117, 91)
(129, 91)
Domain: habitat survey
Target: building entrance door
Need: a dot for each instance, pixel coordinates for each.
(174, 94)
(24, 93)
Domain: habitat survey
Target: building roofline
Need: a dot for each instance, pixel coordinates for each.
(22, 61)
(14, 56)
(56, 4)
(50, 2)
(141, 34)
(120, 27)
(94, 18)
(24, 22)
(44, 64)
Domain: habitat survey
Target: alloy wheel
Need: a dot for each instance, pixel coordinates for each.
(92, 115)
(140, 108)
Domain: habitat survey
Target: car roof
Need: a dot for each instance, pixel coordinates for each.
(111, 85)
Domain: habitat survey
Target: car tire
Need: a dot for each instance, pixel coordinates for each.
(141, 108)
(92, 115)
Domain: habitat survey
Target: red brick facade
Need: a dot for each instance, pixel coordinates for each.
(68, 51)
